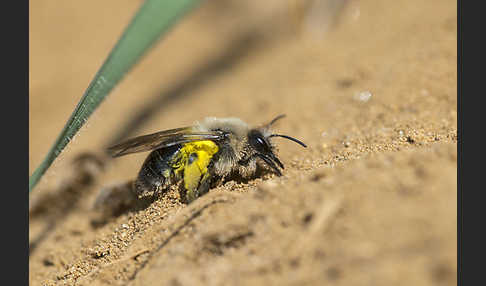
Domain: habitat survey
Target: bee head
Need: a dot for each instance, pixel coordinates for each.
(259, 140)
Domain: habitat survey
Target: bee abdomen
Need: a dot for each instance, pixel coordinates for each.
(156, 173)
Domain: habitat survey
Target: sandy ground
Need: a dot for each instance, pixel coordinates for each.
(370, 86)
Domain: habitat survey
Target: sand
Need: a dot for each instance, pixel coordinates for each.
(369, 86)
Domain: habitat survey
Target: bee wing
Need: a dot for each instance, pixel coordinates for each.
(161, 139)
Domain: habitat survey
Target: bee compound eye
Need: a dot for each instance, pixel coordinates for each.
(260, 141)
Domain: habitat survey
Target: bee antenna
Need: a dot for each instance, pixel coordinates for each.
(290, 138)
(275, 119)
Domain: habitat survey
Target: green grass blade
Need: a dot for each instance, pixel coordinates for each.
(152, 20)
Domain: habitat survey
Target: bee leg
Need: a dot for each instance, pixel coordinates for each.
(196, 191)
(197, 177)
(204, 185)
(192, 178)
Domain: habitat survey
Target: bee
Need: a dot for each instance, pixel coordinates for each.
(202, 156)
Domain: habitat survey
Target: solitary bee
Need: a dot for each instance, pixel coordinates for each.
(202, 155)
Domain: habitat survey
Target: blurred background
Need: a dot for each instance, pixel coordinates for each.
(250, 60)
(353, 77)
